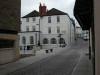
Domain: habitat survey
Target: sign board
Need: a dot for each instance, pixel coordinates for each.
(63, 32)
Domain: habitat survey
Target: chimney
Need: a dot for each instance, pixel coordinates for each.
(42, 10)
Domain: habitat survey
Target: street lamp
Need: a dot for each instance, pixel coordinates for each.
(60, 38)
(39, 33)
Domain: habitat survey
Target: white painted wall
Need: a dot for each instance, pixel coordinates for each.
(30, 24)
(64, 24)
(27, 35)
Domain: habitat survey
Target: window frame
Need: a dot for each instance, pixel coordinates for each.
(33, 19)
(31, 40)
(24, 40)
(49, 19)
(33, 28)
(58, 18)
(61, 41)
(53, 41)
(49, 30)
(45, 41)
(58, 29)
(27, 19)
(27, 28)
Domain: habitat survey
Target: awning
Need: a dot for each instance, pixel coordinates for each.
(83, 13)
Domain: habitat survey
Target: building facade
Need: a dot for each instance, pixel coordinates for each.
(9, 27)
(52, 28)
(78, 32)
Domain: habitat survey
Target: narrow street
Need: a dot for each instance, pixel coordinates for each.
(63, 63)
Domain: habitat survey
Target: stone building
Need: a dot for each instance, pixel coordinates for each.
(9, 27)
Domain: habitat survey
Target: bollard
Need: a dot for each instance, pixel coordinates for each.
(46, 51)
(51, 50)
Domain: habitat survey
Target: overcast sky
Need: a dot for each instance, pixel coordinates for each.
(64, 5)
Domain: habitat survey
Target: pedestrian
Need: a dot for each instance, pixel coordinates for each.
(51, 50)
(38, 43)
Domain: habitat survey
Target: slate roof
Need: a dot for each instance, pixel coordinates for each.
(54, 11)
(51, 12)
(32, 14)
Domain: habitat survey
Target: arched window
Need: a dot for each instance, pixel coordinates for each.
(31, 40)
(23, 40)
(45, 41)
(53, 41)
(61, 41)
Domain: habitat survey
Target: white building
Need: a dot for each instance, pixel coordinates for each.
(52, 28)
(78, 32)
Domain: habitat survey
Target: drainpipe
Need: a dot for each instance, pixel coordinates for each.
(70, 31)
(89, 46)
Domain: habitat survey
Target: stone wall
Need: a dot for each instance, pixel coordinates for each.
(9, 27)
(10, 15)
(9, 54)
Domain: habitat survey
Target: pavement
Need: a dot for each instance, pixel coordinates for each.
(83, 67)
(10, 67)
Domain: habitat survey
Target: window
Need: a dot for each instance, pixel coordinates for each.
(33, 28)
(53, 41)
(31, 40)
(25, 48)
(61, 41)
(29, 47)
(27, 19)
(58, 19)
(4, 43)
(49, 19)
(23, 40)
(27, 28)
(58, 29)
(45, 41)
(49, 30)
(34, 19)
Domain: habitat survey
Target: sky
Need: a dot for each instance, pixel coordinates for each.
(64, 5)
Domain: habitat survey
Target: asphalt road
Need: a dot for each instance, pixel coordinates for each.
(62, 63)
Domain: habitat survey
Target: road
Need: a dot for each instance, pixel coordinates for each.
(62, 63)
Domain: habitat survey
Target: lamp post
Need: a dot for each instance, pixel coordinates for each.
(60, 38)
(39, 33)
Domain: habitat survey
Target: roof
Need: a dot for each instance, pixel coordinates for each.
(32, 14)
(54, 11)
(83, 13)
(51, 12)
